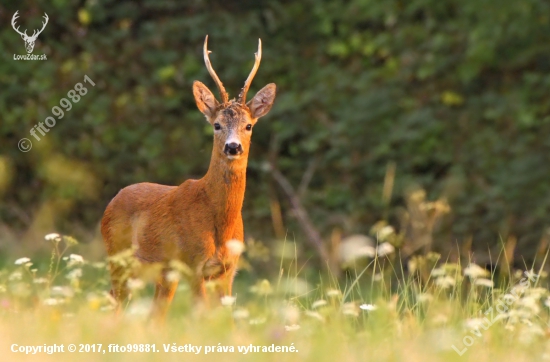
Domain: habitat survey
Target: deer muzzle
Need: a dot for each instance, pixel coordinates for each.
(233, 149)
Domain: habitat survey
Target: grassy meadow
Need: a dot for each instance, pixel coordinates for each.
(424, 124)
(435, 311)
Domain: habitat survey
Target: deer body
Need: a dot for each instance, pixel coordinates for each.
(192, 222)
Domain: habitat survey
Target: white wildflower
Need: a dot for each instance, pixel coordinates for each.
(438, 272)
(75, 259)
(368, 307)
(173, 276)
(51, 301)
(62, 291)
(318, 303)
(21, 261)
(291, 314)
(135, 284)
(53, 237)
(520, 289)
(139, 309)
(530, 303)
(228, 300)
(530, 334)
(445, 282)
(475, 323)
(74, 274)
(315, 315)
(475, 271)
(350, 309)
(356, 247)
(16, 275)
(484, 282)
(235, 247)
(385, 232)
(241, 314)
(385, 249)
(537, 292)
(366, 250)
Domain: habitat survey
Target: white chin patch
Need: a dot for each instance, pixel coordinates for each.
(234, 157)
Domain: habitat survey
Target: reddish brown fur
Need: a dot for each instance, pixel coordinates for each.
(193, 221)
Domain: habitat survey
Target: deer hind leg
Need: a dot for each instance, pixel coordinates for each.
(164, 293)
(119, 290)
(116, 237)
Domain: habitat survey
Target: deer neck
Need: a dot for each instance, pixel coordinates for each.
(225, 184)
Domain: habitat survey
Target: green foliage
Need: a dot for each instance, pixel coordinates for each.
(453, 92)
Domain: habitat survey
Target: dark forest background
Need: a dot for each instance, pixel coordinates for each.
(430, 116)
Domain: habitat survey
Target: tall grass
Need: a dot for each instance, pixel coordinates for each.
(382, 311)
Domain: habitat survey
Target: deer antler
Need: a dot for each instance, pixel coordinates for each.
(43, 25)
(13, 19)
(223, 93)
(244, 90)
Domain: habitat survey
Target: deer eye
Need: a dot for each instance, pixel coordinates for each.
(248, 127)
(217, 126)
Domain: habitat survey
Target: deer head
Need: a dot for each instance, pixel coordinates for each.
(233, 120)
(29, 40)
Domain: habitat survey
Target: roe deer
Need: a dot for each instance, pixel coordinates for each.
(192, 222)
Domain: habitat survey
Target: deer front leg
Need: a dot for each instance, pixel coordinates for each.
(164, 293)
(234, 249)
(197, 288)
(224, 284)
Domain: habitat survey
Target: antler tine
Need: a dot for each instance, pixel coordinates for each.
(44, 24)
(45, 18)
(13, 19)
(223, 93)
(258, 57)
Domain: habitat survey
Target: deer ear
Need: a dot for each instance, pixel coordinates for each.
(206, 102)
(262, 101)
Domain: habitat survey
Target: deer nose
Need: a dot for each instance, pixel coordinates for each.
(233, 149)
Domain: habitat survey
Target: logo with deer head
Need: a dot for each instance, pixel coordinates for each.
(29, 40)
